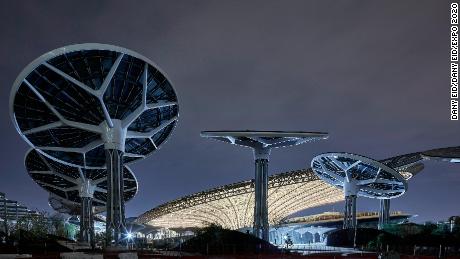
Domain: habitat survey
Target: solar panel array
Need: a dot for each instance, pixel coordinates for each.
(373, 179)
(63, 101)
(64, 181)
(69, 104)
(448, 154)
(264, 139)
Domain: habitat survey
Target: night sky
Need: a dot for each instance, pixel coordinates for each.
(374, 74)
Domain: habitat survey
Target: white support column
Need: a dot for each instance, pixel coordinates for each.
(86, 214)
(114, 144)
(349, 215)
(115, 222)
(261, 226)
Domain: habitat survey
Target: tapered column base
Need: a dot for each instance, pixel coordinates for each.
(261, 227)
(115, 222)
(349, 215)
(384, 214)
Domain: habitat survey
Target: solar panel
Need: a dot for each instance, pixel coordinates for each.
(372, 179)
(264, 139)
(65, 103)
(449, 154)
(64, 182)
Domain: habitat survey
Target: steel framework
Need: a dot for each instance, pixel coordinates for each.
(77, 187)
(95, 106)
(232, 206)
(261, 143)
(449, 154)
(358, 176)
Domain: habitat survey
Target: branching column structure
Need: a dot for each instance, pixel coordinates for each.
(95, 106)
(358, 176)
(64, 180)
(262, 142)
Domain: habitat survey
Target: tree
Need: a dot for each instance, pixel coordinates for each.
(37, 224)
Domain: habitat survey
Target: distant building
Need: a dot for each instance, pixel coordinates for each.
(315, 228)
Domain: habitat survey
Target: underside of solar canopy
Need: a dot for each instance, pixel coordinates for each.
(359, 176)
(73, 101)
(76, 190)
(64, 206)
(70, 183)
(67, 207)
(95, 106)
(262, 142)
(449, 154)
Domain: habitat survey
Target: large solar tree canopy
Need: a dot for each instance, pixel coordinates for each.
(76, 189)
(95, 106)
(262, 142)
(358, 176)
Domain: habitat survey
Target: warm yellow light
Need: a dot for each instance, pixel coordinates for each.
(232, 206)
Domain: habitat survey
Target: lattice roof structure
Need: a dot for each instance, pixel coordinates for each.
(232, 206)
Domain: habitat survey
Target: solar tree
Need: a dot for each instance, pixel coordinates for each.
(76, 190)
(95, 106)
(262, 142)
(358, 176)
